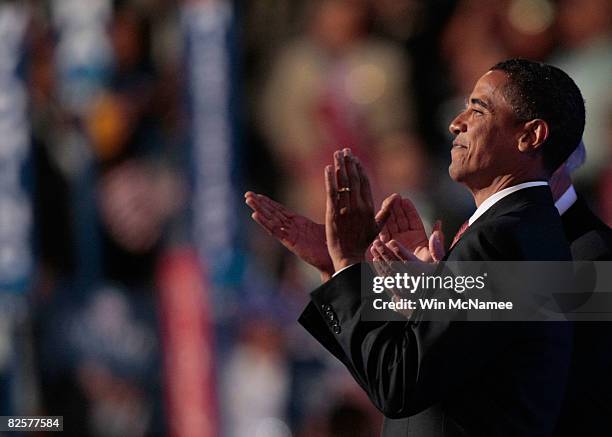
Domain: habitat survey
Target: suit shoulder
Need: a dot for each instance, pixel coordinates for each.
(590, 238)
(516, 236)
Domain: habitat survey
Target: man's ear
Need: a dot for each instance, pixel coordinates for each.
(535, 133)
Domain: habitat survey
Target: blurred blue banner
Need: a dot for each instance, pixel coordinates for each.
(208, 27)
(15, 180)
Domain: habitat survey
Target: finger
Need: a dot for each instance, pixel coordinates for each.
(339, 167)
(368, 255)
(263, 207)
(254, 204)
(341, 179)
(353, 177)
(331, 195)
(384, 259)
(373, 252)
(400, 251)
(381, 267)
(386, 253)
(267, 214)
(274, 209)
(384, 235)
(272, 222)
(376, 249)
(436, 248)
(249, 195)
(365, 189)
(279, 207)
(260, 207)
(274, 230)
(261, 221)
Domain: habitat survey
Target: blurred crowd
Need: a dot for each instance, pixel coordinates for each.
(111, 179)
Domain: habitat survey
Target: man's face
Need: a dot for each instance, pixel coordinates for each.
(486, 134)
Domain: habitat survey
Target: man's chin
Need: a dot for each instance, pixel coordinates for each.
(455, 173)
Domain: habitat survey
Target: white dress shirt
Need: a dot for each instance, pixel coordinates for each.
(566, 200)
(496, 197)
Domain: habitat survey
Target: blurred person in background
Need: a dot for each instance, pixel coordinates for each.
(585, 35)
(97, 336)
(526, 28)
(336, 84)
(604, 190)
(130, 127)
(469, 45)
(256, 380)
(408, 170)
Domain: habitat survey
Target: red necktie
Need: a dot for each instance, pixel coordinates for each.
(459, 233)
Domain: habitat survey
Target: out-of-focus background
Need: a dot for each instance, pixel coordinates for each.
(137, 297)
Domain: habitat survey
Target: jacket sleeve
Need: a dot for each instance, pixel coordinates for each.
(404, 367)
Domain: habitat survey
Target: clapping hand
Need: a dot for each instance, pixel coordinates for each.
(350, 223)
(406, 227)
(300, 235)
(391, 258)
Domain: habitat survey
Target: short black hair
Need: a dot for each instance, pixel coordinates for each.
(538, 90)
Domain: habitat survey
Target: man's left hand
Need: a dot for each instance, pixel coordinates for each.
(350, 225)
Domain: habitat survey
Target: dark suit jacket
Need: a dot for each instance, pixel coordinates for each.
(590, 239)
(452, 378)
(587, 410)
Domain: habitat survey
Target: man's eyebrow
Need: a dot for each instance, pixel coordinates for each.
(480, 102)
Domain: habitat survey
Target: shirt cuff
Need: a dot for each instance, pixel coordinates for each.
(342, 269)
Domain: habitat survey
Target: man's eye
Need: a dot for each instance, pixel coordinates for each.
(477, 111)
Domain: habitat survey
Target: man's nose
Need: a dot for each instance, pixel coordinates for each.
(457, 125)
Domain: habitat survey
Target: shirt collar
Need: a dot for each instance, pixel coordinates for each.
(496, 197)
(566, 200)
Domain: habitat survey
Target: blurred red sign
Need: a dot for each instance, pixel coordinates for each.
(187, 337)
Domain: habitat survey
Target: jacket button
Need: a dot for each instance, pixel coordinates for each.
(336, 329)
(326, 307)
(330, 315)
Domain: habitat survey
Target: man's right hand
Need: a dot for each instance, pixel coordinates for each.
(306, 239)
(405, 225)
(302, 236)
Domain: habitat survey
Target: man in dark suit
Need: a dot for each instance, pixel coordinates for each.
(590, 239)
(452, 378)
(587, 410)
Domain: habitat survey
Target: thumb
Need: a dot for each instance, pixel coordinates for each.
(436, 247)
(438, 227)
(385, 211)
